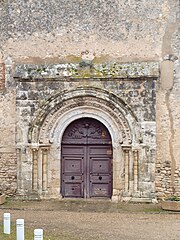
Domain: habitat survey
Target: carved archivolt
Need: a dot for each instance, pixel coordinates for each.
(61, 109)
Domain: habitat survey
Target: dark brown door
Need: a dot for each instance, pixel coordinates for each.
(86, 160)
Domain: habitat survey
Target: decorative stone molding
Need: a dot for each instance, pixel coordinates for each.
(40, 168)
(44, 150)
(136, 172)
(60, 110)
(35, 168)
(50, 116)
(45, 124)
(126, 151)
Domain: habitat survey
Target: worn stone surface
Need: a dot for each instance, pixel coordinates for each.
(88, 69)
(168, 111)
(42, 102)
(49, 48)
(60, 28)
(2, 76)
(8, 173)
(167, 76)
(171, 206)
(8, 167)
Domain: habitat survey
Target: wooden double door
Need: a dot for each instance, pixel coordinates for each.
(86, 169)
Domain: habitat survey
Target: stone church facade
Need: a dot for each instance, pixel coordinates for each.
(90, 99)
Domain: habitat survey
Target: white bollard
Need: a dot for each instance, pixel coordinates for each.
(7, 223)
(38, 234)
(20, 229)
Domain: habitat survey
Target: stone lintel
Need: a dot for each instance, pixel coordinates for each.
(110, 70)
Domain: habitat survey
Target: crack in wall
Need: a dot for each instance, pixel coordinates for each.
(171, 151)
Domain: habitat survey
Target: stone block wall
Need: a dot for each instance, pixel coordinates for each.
(133, 83)
(164, 184)
(8, 159)
(8, 173)
(168, 110)
(51, 32)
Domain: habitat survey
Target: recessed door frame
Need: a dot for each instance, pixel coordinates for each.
(86, 169)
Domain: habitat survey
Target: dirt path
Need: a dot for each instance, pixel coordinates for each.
(84, 221)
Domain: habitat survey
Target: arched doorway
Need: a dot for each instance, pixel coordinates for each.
(86, 167)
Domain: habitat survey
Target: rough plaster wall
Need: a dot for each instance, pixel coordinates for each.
(135, 30)
(168, 109)
(7, 123)
(8, 167)
(7, 143)
(118, 29)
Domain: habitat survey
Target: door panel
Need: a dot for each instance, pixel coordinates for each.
(99, 165)
(72, 165)
(100, 190)
(72, 150)
(100, 172)
(86, 160)
(73, 190)
(100, 150)
(72, 171)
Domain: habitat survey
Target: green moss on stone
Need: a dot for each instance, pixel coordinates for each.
(72, 59)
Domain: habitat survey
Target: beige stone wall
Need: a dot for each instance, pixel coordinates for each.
(8, 173)
(102, 31)
(168, 110)
(2, 76)
(8, 167)
(8, 160)
(124, 30)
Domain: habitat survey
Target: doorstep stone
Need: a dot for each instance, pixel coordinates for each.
(2, 199)
(171, 205)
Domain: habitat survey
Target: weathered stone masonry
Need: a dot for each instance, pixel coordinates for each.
(116, 61)
(8, 159)
(8, 173)
(42, 99)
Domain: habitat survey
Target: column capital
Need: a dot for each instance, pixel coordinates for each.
(135, 150)
(44, 148)
(126, 148)
(34, 149)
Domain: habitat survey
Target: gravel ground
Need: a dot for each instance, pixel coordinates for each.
(82, 220)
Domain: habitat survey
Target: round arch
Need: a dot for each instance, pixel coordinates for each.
(86, 160)
(63, 108)
(47, 117)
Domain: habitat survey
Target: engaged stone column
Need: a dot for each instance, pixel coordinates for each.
(44, 168)
(136, 173)
(19, 169)
(126, 168)
(35, 169)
